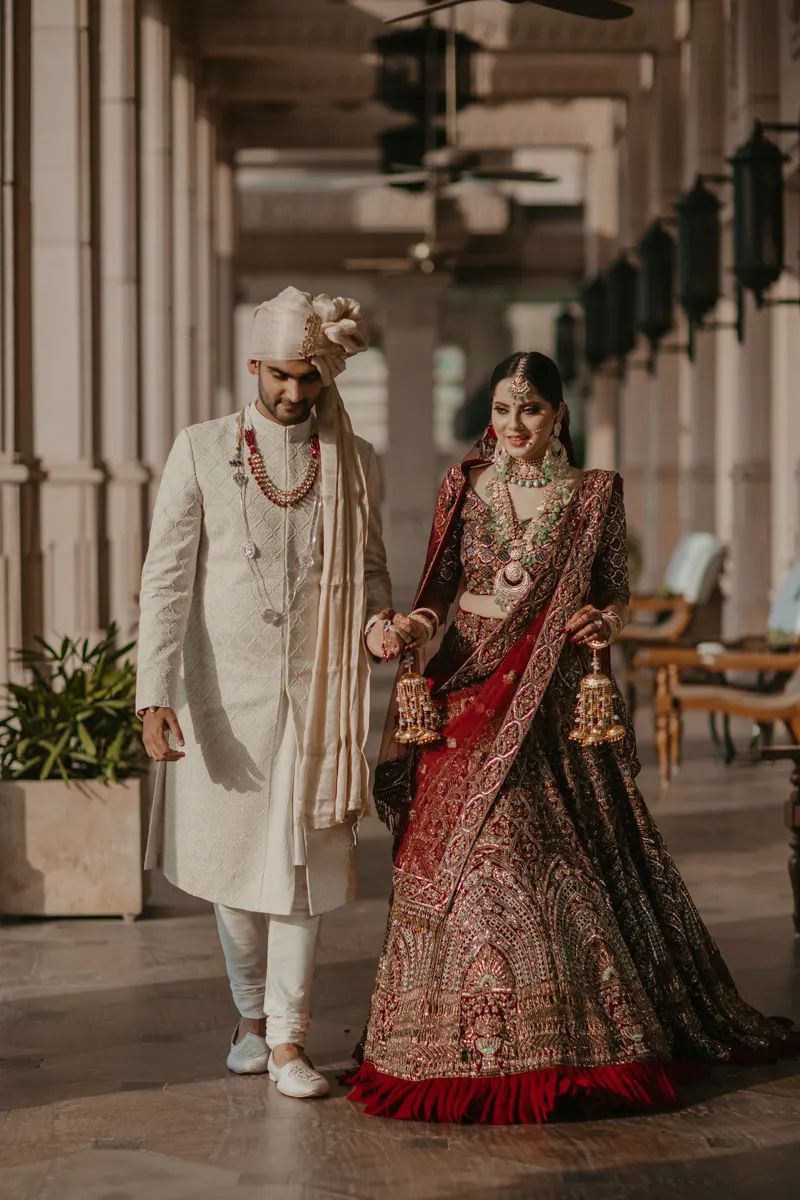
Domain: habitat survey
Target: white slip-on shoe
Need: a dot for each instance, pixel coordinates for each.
(248, 1056)
(298, 1079)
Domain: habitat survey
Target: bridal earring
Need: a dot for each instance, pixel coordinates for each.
(556, 450)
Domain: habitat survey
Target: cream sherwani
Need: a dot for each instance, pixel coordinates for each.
(225, 825)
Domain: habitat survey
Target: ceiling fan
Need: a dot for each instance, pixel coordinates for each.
(443, 246)
(596, 10)
(445, 168)
(448, 166)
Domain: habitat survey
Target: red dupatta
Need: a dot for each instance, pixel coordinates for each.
(486, 723)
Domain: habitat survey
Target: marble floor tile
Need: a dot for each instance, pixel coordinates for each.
(113, 1037)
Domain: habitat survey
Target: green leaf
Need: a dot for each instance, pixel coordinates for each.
(86, 740)
(54, 754)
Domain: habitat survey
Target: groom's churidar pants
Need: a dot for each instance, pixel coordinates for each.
(270, 963)
(270, 957)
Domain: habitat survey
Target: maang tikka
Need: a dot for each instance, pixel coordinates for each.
(520, 385)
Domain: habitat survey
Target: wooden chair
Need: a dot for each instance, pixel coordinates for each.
(688, 608)
(774, 695)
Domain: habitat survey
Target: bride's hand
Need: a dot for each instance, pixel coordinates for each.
(588, 625)
(413, 631)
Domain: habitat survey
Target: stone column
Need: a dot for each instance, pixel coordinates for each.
(634, 454)
(224, 266)
(155, 240)
(119, 316)
(20, 574)
(184, 266)
(63, 114)
(634, 400)
(747, 408)
(786, 414)
(206, 331)
(602, 420)
(664, 181)
(602, 240)
(409, 310)
(703, 125)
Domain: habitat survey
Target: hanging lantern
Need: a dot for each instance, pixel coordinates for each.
(412, 71)
(593, 299)
(698, 252)
(566, 346)
(654, 315)
(620, 307)
(406, 147)
(758, 213)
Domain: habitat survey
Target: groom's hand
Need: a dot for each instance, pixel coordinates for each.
(156, 725)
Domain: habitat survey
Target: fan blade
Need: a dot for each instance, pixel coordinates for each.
(595, 10)
(425, 12)
(392, 179)
(498, 175)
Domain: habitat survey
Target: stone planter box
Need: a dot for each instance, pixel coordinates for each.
(69, 851)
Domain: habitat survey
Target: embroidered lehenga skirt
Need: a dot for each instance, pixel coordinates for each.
(553, 955)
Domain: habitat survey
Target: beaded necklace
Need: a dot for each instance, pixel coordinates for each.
(296, 574)
(283, 498)
(523, 472)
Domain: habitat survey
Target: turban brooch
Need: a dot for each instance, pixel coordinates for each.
(326, 330)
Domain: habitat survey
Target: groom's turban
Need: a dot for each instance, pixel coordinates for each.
(326, 330)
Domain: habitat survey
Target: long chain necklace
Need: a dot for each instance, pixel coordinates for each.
(525, 546)
(295, 575)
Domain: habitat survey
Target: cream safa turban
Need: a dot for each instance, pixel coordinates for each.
(326, 330)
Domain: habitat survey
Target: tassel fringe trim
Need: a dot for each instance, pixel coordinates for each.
(527, 1099)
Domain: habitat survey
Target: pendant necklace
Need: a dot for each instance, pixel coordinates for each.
(525, 546)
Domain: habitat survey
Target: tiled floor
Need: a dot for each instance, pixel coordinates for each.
(113, 1036)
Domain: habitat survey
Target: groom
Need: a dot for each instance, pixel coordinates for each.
(265, 575)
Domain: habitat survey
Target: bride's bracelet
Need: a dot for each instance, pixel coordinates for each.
(614, 623)
(428, 618)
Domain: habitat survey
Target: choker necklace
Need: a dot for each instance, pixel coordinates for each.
(523, 472)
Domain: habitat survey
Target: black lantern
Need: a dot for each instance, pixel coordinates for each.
(412, 70)
(406, 147)
(698, 252)
(566, 349)
(654, 315)
(620, 307)
(593, 299)
(758, 213)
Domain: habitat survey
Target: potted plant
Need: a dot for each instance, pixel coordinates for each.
(71, 783)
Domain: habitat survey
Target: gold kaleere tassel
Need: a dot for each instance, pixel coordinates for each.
(419, 722)
(595, 719)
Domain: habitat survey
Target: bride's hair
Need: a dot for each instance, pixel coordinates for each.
(540, 371)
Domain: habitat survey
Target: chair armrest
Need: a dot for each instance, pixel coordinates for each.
(686, 659)
(667, 631)
(652, 602)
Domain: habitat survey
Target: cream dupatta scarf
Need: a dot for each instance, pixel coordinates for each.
(333, 776)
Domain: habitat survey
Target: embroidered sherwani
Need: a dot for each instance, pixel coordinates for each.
(225, 824)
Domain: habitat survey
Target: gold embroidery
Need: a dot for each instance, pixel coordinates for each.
(554, 928)
(311, 332)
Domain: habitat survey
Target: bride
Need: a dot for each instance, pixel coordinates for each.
(542, 950)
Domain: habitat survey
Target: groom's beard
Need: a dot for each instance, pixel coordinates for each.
(283, 411)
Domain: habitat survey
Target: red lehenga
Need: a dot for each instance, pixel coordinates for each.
(542, 950)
